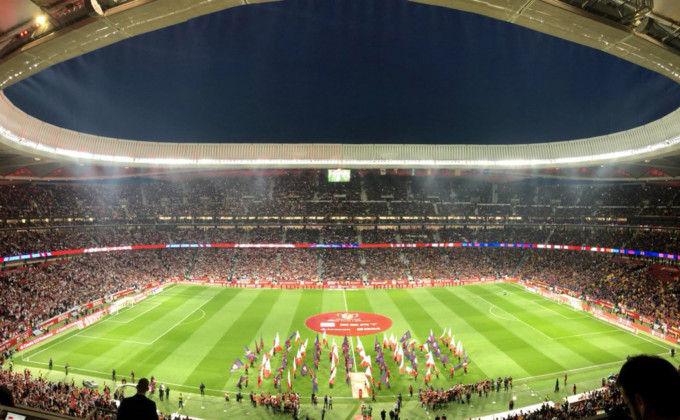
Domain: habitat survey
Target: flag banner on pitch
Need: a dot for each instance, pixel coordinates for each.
(236, 366)
(406, 336)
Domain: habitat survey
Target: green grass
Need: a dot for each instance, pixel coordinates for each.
(192, 334)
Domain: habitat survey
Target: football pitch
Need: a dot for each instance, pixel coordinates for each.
(191, 334)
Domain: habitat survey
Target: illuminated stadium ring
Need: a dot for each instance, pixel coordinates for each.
(36, 255)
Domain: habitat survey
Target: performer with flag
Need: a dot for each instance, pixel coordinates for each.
(315, 384)
(304, 370)
(429, 363)
(331, 380)
(267, 369)
(277, 343)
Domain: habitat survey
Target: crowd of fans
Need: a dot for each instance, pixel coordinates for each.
(34, 294)
(58, 397)
(308, 193)
(604, 400)
(607, 401)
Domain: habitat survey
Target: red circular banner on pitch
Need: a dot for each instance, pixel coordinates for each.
(348, 323)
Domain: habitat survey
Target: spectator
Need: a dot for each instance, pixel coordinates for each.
(650, 387)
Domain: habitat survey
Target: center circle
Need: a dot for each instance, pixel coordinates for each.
(348, 323)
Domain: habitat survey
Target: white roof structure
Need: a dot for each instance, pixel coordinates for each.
(644, 153)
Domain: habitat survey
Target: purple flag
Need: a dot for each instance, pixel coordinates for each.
(236, 366)
(406, 336)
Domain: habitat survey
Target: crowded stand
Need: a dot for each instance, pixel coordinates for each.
(604, 401)
(214, 264)
(304, 208)
(308, 193)
(384, 265)
(54, 397)
(256, 264)
(300, 235)
(339, 235)
(296, 265)
(28, 296)
(341, 265)
(380, 236)
(429, 264)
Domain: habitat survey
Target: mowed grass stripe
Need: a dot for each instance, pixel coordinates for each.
(486, 358)
(310, 304)
(625, 341)
(167, 336)
(578, 350)
(617, 340)
(523, 306)
(97, 355)
(173, 310)
(358, 301)
(420, 322)
(384, 305)
(135, 356)
(225, 341)
(529, 356)
(198, 332)
(333, 301)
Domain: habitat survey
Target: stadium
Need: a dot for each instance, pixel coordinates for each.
(336, 209)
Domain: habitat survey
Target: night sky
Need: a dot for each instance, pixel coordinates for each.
(346, 71)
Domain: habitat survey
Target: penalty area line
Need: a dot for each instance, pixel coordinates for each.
(132, 319)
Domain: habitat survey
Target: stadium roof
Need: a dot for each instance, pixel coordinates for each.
(641, 32)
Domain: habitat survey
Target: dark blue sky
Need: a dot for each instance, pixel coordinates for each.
(352, 71)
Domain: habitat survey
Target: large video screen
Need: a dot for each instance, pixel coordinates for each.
(338, 175)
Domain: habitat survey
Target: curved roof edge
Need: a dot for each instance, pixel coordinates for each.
(28, 135)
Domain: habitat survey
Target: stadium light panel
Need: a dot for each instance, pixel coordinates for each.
(171, 162)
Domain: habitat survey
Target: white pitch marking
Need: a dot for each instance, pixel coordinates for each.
(517, 319)
(527, 378)
(114, 339)
(587, 334)
(351, 340)
(181, 320)
(132, 319)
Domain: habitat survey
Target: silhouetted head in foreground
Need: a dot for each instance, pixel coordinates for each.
(650, 387)
(142, 386)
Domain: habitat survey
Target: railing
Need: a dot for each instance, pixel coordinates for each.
(34, 413)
